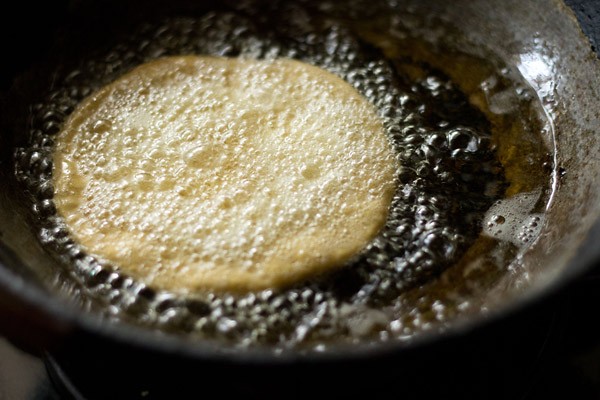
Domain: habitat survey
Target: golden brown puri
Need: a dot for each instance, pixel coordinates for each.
(204, 173)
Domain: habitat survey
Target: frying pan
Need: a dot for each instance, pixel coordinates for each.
(118, 360)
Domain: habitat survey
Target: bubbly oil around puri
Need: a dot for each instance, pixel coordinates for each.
(473, 179)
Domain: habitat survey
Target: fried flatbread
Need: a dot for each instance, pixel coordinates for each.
(196, 173)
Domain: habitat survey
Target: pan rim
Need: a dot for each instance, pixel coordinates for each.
(79, 321)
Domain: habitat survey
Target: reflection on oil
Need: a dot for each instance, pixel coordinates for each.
(539, 69)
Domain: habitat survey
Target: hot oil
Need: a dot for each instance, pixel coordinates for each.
(522, 136)
(460, 149)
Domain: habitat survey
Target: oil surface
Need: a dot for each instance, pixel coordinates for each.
(466, 133)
